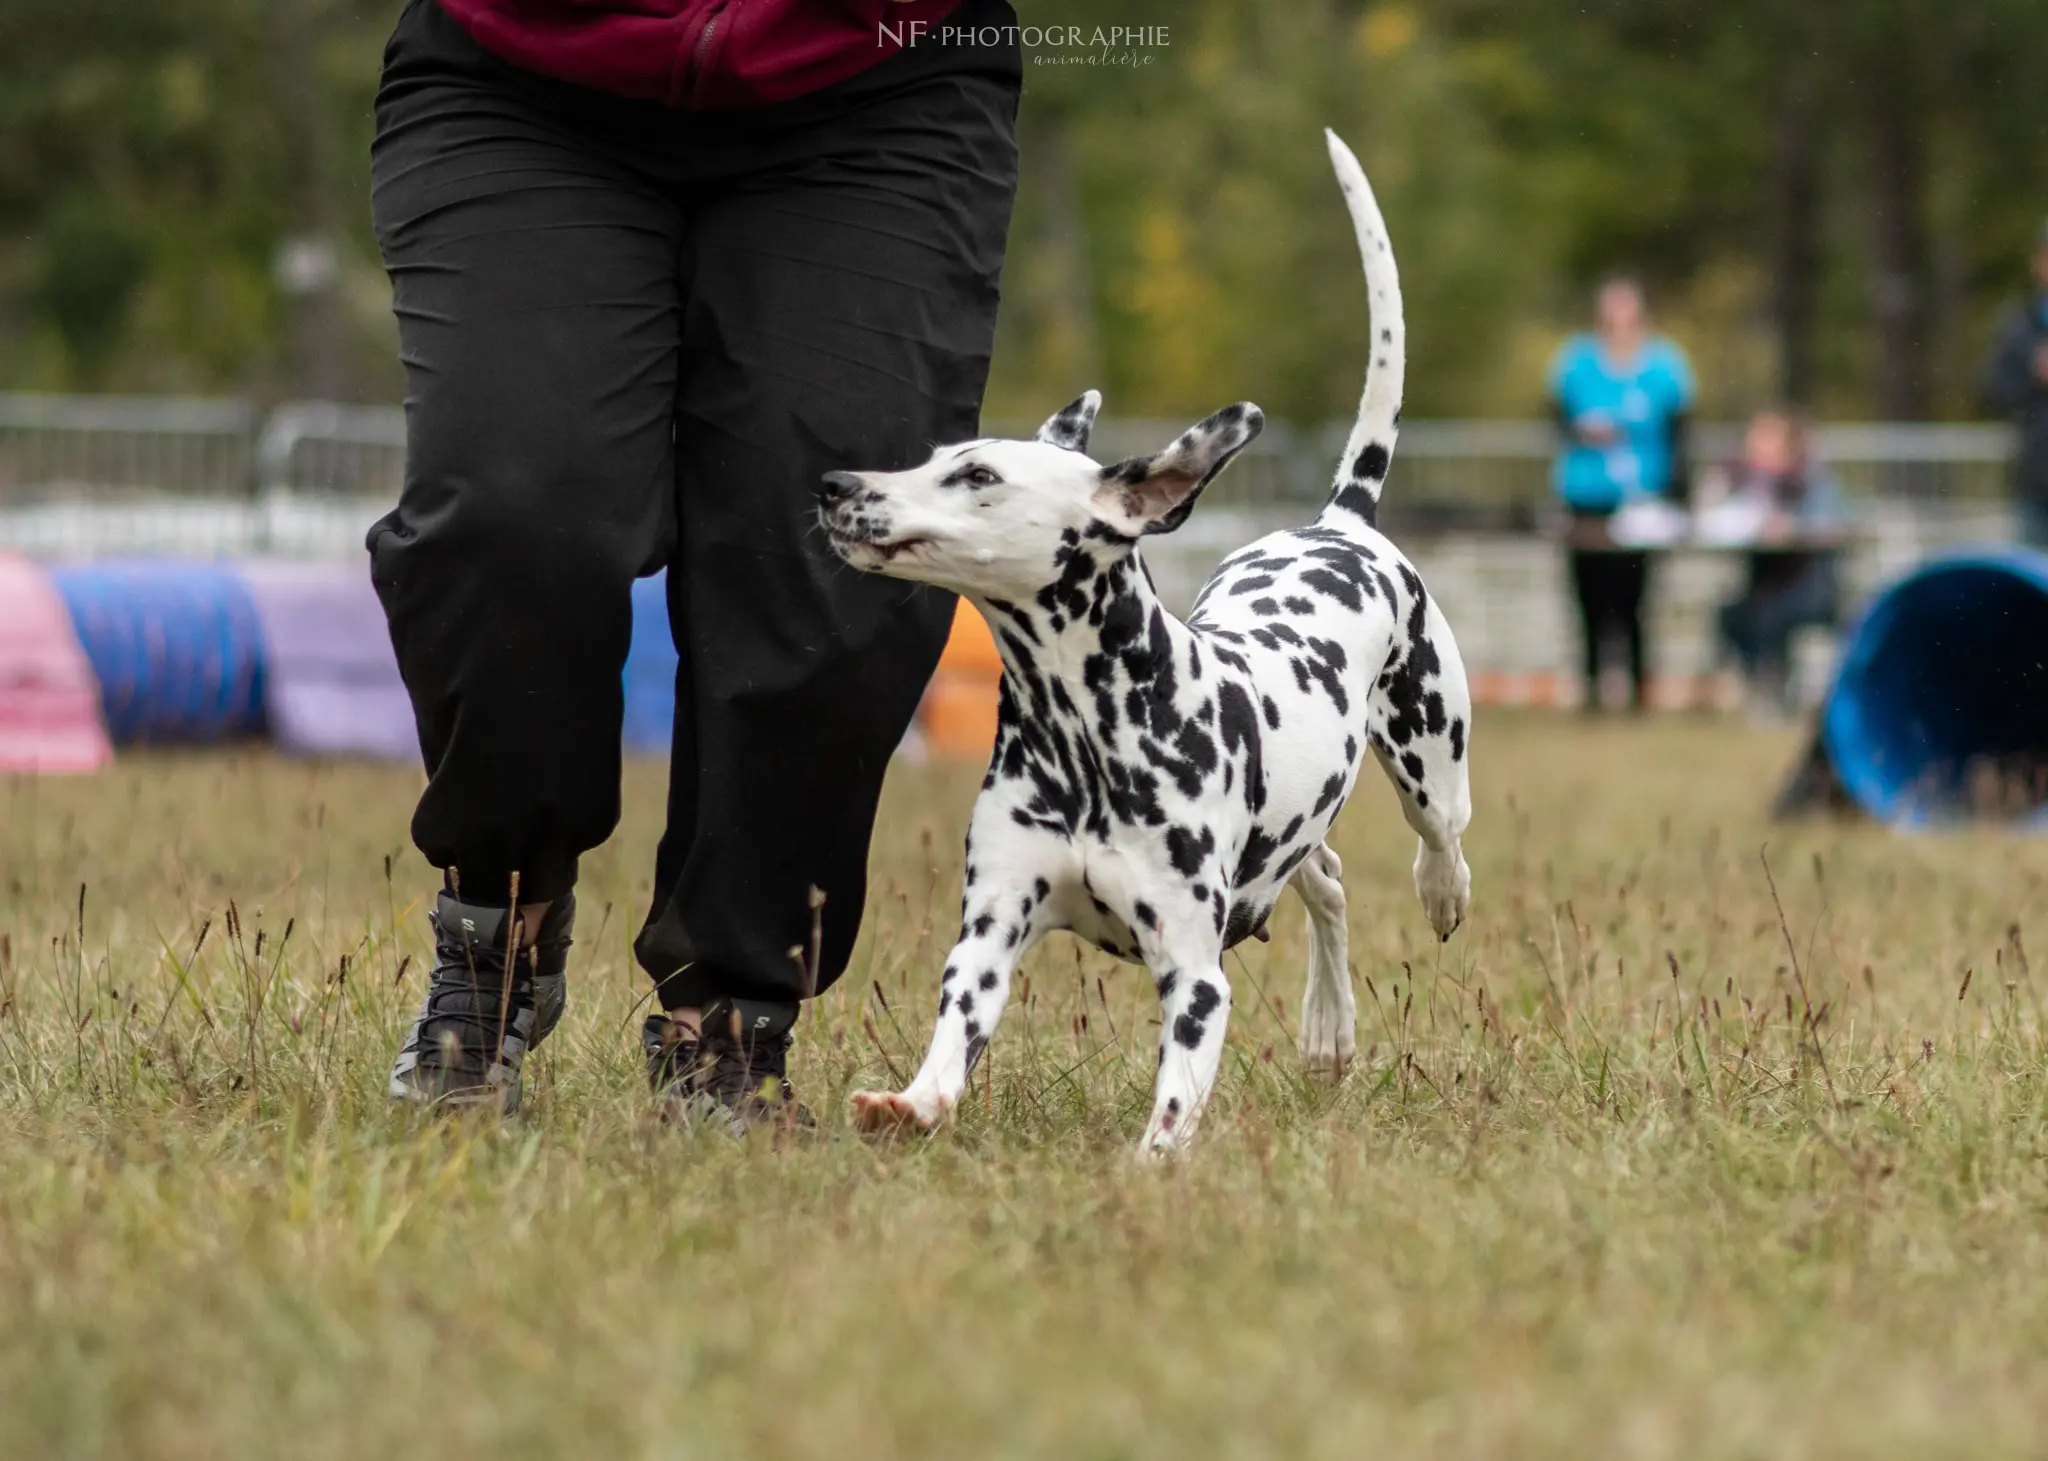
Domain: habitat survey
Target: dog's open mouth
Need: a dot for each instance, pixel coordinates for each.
(850, 546)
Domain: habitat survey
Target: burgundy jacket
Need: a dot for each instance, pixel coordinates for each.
(696, 53)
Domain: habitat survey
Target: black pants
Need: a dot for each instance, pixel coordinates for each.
(636, 337)
(1610, 586)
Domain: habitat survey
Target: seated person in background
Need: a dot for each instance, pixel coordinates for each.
(1787, 500)
(1620, 395)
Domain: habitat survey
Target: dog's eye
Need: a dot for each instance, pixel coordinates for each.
(979, 476)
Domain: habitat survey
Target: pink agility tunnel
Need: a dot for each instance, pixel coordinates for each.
(49, 697)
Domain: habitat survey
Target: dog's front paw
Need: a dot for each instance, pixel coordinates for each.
(878, 1111)
(1444, 884)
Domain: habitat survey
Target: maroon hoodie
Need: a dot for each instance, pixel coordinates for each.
(697, 53)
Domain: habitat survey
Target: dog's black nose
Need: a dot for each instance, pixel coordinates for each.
(840, 485)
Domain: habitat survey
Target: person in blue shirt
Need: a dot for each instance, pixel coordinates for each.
(1622, 396)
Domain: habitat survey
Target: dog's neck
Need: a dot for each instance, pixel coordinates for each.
(1101, 604)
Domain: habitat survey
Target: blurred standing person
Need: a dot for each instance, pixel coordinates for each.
(1621, 396)
(2017, 384)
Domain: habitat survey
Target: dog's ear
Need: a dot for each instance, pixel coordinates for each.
(1069, 428)
(1155, 494)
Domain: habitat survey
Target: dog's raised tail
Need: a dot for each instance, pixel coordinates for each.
(1370, 451)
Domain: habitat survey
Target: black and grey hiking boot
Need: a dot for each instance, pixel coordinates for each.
(479, 1020)
(733, 1075)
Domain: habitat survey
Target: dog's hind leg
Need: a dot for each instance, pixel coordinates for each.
(1000, 919)
(1421, 730)
(1329, 1012)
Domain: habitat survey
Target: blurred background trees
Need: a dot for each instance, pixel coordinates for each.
(1829, 202)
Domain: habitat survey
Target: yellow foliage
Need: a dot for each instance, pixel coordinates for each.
(1384, 30)
(1175, 303)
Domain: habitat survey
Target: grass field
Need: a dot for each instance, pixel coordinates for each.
(1612, 1177)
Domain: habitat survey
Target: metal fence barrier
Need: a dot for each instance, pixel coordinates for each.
(67, 445)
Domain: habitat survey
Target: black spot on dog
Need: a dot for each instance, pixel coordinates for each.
(1145, 914)
(1356, 497)
(1186, 851)
(1272, 711)
(1165, 984)
(1372, 463)
(1417, 709)
(966, 1003)
(1344, 591)
(976, 1044)
(1245, 921)
(1332, 789)
(988, 979)
(1326, 667)
(1240, 729)
(983, 923)
(1192, 1025)
(1457, 738)
(1259, 848)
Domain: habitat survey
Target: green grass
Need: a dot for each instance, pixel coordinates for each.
(1606, 1179)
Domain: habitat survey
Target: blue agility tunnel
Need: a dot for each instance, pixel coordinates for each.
(176, 647)
(1939, 711)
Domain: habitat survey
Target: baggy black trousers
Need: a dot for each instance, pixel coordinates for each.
(636, 337)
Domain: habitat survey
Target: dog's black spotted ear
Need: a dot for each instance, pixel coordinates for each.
(1155, 494)
(1069, 427)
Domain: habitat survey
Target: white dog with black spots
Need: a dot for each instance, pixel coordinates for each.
(1155, 784)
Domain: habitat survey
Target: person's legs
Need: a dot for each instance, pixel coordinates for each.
(1775, 614)
(535, 286)
(840, 313)
(1630, 586)
(1589, 584)
(1737, 622)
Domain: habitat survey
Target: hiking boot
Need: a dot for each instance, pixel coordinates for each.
(734, 1075)
(478, 1021)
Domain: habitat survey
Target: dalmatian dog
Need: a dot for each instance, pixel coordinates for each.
(1154, 783)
